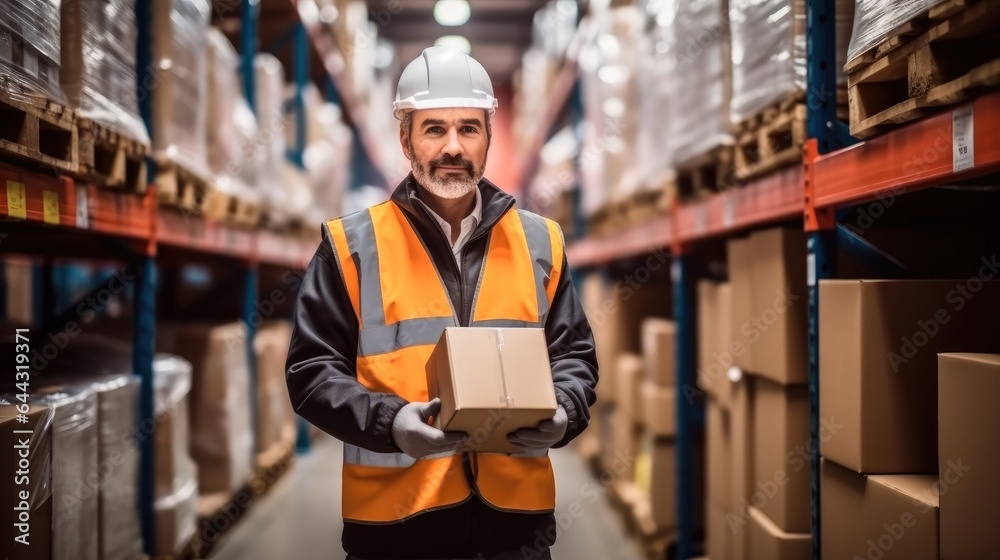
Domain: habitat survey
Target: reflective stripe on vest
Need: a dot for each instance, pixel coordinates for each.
(403, 308)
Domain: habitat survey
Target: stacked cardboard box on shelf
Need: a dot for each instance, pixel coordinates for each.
(275, 417)
(968, 460)
(221, 435)
(36, 505)
(888, 400)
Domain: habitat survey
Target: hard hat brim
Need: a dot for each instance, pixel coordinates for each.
(402, 107)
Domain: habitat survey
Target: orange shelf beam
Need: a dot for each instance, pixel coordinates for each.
(916, 156)
(651, 237)
(280, 250)
(176, 229)
(778, 196)
(37, 197)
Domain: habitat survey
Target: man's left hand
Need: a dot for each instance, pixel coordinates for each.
(543, 436)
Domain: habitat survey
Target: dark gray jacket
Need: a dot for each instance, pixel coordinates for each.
(322, 383)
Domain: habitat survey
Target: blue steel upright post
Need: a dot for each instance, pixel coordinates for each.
(685, 310)
(144, 296)
(300, 67)
(248, 51)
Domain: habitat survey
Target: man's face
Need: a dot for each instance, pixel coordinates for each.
(447, 149)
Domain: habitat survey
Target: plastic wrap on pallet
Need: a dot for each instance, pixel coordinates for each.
(653, 142)
(180, 111)
(104, 366)
(270, 85)
(698, 62)
(234, 146)
(176, 502)
(769, 51)
(327, 157)
(36, 423)
(553, 27)
(874, 20)
(98, 63)
(29, 48)
(608, 74)
(74, 463)
(221, 434)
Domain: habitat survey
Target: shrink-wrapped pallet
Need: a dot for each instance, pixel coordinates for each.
(29, 48)
(769, 51)
(221, 434)
(98, 73)
(26, 521)
(699, 77)
(270, 86)
(180, 88)
(74, 468)
(234, 149)
(176, 489)
(874, 20)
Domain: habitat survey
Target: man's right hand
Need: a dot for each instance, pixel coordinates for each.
(412, 433)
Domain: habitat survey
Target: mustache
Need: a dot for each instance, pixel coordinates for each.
(456, 161)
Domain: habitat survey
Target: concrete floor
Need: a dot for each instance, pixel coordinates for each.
(299, 519)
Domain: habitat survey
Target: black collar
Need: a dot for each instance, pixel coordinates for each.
(496, 203)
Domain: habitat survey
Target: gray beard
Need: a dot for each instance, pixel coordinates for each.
(448, 188)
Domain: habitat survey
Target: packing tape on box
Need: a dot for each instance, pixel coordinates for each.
(506, 400)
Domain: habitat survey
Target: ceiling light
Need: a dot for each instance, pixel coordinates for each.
(452, 12)
(456, 41)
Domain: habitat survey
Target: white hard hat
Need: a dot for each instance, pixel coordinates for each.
(442, 77)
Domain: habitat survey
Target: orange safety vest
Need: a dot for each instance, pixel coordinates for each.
(402, 308)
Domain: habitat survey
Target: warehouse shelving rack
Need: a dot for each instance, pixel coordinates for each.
(49, 216)
(837, 173)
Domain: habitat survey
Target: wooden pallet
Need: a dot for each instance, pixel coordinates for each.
(771, 140)
(110, 159)
(703, 175)
(176, 186)
(947, 55)
(231, 209)
(272, 464)
(638, 207)
(36, 129)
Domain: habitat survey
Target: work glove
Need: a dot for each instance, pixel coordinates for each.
(543, 436)
(412, 433)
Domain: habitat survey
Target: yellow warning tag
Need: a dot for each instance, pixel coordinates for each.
(50, 207)
(17, 206)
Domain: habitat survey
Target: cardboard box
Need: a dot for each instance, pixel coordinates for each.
(714, 358)
(718, 535)
(781, 461)
(778, 328)
(741, 304)
(37, 484)
(901, 517)
(274, 409)
(842, 511)
(741, 485)
(176, 518)
(221, 434)
(491, 382)
(969, 459)
(767, 540)
(663, 484)
(629, 371)
(596, 300)
(718, 459)
(659, 350)
(878, 365)
(659, 410)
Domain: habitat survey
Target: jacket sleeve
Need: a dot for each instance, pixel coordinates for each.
(572, 355)
(321, 366)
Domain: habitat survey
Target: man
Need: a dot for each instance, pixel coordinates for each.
(448, 249)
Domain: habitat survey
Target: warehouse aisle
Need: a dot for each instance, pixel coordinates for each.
(304, 509)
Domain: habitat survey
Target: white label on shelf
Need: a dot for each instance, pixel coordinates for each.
(728, 210)
(675, 271)
(963, 138)
(30, 63)
(811, 269)
(82, 216)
